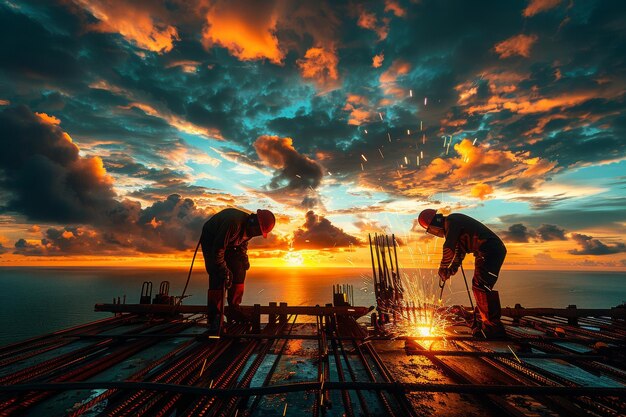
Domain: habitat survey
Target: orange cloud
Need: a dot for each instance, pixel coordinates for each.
(527, 106)
(377, 61)
(369, 21)
(389, 78)
(538, 6)
(355, 104)
(246, 29)
(394, 6)
(46, 118)
(516, 45)
(481, 191)
(133, 21)
(478, 167)
(320, 65)
(187, 66)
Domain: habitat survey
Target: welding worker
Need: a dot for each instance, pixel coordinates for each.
(463, 235)
(224, 243)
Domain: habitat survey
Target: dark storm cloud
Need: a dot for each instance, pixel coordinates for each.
(518, 233)
(293, 171)
(46, 178)
(591, 246)
(570, 219)
(174, 223)
(317, 232)
(547, 232)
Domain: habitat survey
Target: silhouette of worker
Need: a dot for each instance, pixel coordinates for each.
(224, 243)
(463, 235)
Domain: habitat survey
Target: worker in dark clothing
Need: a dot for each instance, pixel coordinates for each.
(463, 235)
(224, 243)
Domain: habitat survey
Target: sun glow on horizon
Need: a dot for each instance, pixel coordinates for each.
(293, 258)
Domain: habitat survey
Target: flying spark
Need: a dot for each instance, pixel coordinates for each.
(410, 93)
(364, 158)
(381, 153)
(389, 137)
(381, 116)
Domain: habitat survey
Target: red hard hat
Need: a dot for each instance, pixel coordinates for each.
(426, 217)
(266, 221)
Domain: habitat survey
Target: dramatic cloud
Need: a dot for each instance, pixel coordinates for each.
(293, 171)
(133, 21)
(378, 59)
(320, 65)
(173, 224)
(317, 232)
(517, 45)
(518, 233)
(481, 191)
(537, 6)
(547, 232)
(394, 7)
(368, 20)
(246, 28)
(591, 246)
(45, 177)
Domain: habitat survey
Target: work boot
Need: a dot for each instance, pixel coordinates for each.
(215, 303)
(235, 294)
(488, 306)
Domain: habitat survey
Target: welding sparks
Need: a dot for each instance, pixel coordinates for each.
(422, 154)
(362, 169)
(364, 158)
(408, 132)
(381, 153)
(410, 93)
(514, 354)
(425, 101)
(381, 116)
(365, 130)
(389, 137)
(421, 125)
(474, 143)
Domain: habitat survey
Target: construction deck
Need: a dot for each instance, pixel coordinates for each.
(148, 361)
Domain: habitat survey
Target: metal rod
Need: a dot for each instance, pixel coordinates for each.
(467, 287)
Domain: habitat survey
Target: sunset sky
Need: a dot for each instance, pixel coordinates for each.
(125, 125)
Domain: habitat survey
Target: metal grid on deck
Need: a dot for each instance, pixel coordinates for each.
(156, 363)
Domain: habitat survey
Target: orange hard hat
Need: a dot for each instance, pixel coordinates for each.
(266, 221)
(426, 217)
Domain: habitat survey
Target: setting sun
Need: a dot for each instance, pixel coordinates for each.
(293, 258)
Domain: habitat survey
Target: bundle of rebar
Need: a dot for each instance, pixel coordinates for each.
(386, 274)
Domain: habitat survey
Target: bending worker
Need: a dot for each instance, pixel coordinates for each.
(464, 234)
(224, 243)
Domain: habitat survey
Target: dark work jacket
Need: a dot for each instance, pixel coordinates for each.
(225, 230)
(464, 235)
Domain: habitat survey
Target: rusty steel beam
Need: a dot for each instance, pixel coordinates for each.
(312, 386)
(277, 310)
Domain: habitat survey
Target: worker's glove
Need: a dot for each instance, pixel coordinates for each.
(454, 268)
(444, 273)
(245, 263)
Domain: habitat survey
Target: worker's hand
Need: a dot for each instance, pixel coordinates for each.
(454, 268)
(245, 263)
(444, 273)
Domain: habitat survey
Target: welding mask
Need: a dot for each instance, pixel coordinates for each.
(436, 226)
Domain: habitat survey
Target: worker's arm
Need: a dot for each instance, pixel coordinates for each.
(453, 231)
(459, 255)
